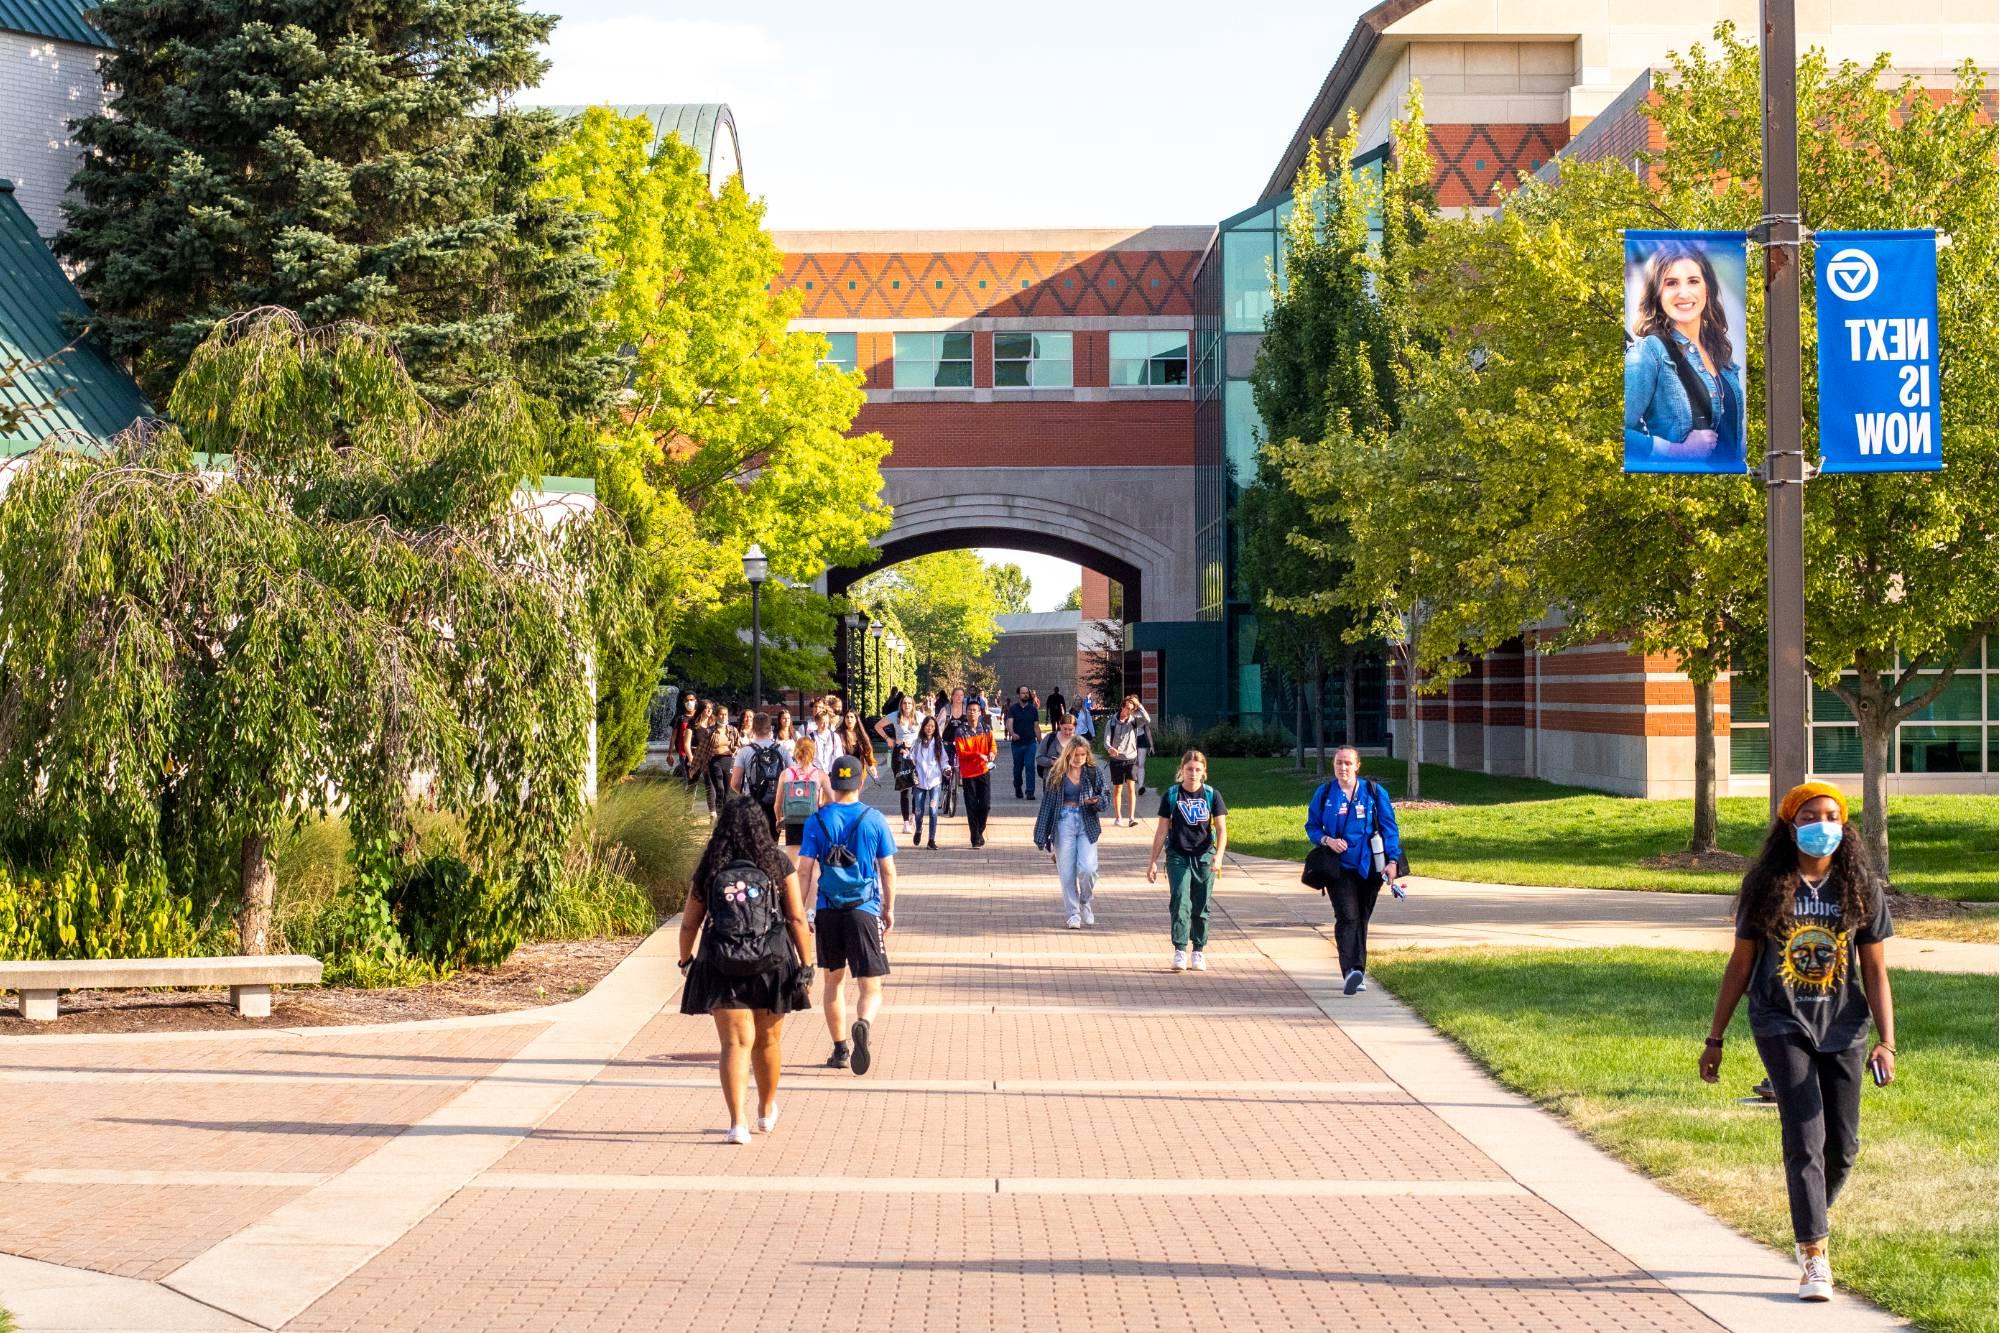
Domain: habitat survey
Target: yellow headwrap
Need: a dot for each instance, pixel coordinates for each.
(1805, 791)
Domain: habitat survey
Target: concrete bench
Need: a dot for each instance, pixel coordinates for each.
(249, 978)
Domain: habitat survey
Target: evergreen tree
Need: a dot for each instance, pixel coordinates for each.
(347, 161)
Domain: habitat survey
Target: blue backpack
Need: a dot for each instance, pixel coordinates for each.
(845, 877)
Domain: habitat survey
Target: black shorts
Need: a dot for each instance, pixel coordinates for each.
(1121, 771)
(847, 937)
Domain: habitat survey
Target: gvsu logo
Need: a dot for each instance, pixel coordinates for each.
(1851, 275)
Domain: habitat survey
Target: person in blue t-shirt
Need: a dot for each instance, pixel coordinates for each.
(1344, 816)
(848, 861)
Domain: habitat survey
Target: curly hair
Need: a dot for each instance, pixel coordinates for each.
(741, 834)
(1765, 898)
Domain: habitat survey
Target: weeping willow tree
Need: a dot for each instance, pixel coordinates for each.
(313, 592)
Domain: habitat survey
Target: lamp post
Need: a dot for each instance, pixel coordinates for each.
(756, 569)
(875, 631)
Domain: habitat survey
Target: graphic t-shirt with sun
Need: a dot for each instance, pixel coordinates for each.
(1805, 979)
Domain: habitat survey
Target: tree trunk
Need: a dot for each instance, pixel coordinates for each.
(1413, 782)
(1703, 838)
(1299, 729)
(1875, 713)
(259, 888)
(1347, 689)
(1319, 714)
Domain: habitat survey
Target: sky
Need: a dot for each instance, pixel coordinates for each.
(900, 114)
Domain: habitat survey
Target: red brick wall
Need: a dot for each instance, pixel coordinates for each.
(1034, 434)
(1473, 159)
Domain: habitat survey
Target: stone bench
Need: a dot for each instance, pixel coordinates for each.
(249, 978)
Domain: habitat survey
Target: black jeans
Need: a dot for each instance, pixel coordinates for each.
(1819, 1112)
(978, 804)
(718, 780)
(1353, 903)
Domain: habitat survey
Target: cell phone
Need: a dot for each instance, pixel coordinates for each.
(1877, 1072)
(1397, 889)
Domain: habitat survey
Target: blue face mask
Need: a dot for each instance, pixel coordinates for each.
(1818, 838)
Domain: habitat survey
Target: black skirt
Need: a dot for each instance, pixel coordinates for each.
(775, 991)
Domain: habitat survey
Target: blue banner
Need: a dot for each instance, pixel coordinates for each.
(1878, 351)
(1685, 343)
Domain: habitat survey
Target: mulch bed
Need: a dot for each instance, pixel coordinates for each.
(1717, 860)
(537, 974)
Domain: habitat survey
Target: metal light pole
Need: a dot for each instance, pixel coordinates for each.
(756, 569)
(875, 674)
(1780, 231)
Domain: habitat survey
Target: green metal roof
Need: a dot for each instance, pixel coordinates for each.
(706, 127)
(61, 19)
(83, 389)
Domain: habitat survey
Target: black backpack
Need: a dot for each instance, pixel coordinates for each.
(745, 929)
(767, 765)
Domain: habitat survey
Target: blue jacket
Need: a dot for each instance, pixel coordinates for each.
(1656, 404)
(1332, 814)
(1051, 808)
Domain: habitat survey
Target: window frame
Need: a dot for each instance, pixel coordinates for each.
(1151, 357)
(849, 364)
(936, 360)
(1034, 360)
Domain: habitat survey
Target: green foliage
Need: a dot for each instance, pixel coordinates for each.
(450, 916)
(944, 603)
(594, 900)
(1226, 740)
(1013, 588)
(713, 649)
(351, 162)
(653, 819)
(1607, 1039)
(87, 911)
(1073, 602)
(362, 600)
(1174, 737)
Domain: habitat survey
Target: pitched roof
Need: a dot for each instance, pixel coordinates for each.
(80, 388)
(1335, 91)
(63, 20)
(706, 127)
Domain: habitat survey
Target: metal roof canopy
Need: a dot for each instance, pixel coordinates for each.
(706, 127)
(80, 389)
(62, 20)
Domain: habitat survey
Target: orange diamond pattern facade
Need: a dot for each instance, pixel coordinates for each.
(1018, 285)
(1478, 163)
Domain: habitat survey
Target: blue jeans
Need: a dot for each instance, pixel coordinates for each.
(1076, 862)
(1024, 768)
(927, 804)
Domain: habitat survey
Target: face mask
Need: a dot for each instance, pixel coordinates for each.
(1818, 839)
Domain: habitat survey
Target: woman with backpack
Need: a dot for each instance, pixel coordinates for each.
(802, 789)
(685, 713)
(716, 754)
(899, 729)
(975, 764)
(929, 764)
(1067, 828)
(1811, 918)
(1121, 743)
(1352, 819)
(750, 970)
(1194, 833)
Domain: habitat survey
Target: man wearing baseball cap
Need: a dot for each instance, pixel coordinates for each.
(847, 860)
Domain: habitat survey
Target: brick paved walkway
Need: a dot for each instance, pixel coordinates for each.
(1058, 1133)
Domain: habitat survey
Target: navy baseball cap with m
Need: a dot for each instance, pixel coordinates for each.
(845, 774)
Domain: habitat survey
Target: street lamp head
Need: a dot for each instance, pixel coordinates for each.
(755, 567)
(875, 628)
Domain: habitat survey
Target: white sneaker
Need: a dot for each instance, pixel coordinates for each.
(1815, 1275)
(767, 1123)
(907, 828)
(1180, 960)
(737, 1134)
(1089, 917)
(1076, 923)
(1199, 963)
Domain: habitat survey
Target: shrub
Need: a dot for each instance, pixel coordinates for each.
(451, 917)
(356, 938)
(1173, 737)
(1226, 740)
(593, 900)
(654, 820)
(90, 911)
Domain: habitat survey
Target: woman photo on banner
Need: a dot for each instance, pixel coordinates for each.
(1684, 305)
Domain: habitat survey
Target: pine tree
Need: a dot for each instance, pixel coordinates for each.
(344, 160)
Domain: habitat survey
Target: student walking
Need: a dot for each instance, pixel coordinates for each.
(1067, 827)
(951, 725)
(1050, 749)
(848, 862)
(1350, 817)
(1811, 918)
(899, 730)
(975, 765)
(685, 713)
(802, 789)
(1057, 707)
(1023, 730)
(1194, 832)
(715, 756)
(758, 766)
(852, 738)
(1121, 744)
(750, 970)
(1086, 722)
(930, 762)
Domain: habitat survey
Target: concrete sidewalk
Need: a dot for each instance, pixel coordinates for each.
(1451, 914)
(1059, 1133)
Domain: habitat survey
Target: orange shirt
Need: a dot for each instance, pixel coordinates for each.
(975, 754)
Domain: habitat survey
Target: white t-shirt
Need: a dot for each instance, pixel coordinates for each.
(930, 766)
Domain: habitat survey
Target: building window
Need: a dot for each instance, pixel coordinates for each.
(839, 351)
(1033, 361)
(1149, 359)
(934, 361)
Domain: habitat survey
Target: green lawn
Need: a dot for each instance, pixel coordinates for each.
(1608, 1039)
(1520, 831)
